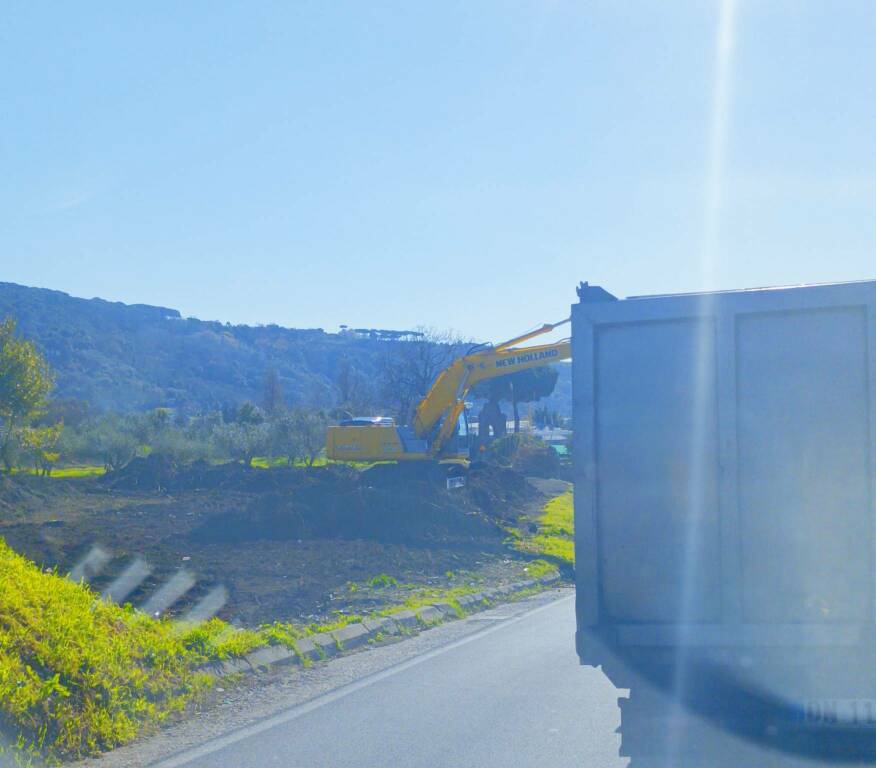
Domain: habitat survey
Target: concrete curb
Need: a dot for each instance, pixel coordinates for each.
(352, 636)
(429, 614)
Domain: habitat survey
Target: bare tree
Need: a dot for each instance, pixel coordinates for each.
(347, 381)
(273, 395)
(354, 391)
(408, 368)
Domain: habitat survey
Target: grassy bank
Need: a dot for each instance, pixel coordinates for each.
(413, 597)
(555, 535)
(398, 597)
(78, 674)
(65, 471)
(259, 462)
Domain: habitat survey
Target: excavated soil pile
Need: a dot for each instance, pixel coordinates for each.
(21, 496)
(501, 493)
(391, 503)
(13, 496)
(388, 502)
(537, 461)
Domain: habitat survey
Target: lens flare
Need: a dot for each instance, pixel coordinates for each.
(702, 382)
(725, 43)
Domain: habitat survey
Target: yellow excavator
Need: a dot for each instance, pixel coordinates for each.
(439, 419)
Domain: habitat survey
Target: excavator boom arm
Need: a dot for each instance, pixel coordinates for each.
(546, 328)
(447, 395)
(502, 362)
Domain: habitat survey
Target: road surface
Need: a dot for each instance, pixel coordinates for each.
(500, 688)
(507, 692)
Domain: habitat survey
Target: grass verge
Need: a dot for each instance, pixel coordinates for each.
(66, 471)
(404, 597)
(78, 674)
(259, 462)
(413, 598)
(555, 537)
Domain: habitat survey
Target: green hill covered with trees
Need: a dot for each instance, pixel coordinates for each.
(138, 357)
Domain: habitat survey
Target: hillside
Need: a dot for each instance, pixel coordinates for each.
(132, 357)
(135, 357)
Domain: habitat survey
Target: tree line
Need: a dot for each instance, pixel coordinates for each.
(38, 432)
(238, 434)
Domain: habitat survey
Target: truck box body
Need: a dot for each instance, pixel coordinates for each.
(723, 483)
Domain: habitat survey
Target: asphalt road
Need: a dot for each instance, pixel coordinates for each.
(511, 692)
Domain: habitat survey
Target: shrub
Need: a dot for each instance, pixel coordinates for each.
(383, 580)
(527, 454)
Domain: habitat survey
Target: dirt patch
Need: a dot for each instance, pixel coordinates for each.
(360, 513)
(26, 496)
(286, 543)
(389, 503)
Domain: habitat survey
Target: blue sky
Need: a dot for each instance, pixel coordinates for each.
(449, 164)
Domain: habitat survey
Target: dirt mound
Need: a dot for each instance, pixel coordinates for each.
(499, 491)
(12, 496)
(526, 454)
(23, 495)
(402, 474)
(390, 502)
(537, 461)
(152, 473)
(11, 489)
(327, 510)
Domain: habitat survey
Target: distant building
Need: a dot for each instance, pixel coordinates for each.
(379, 334)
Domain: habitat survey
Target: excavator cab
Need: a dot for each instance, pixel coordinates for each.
(461, 441)
(379, 438)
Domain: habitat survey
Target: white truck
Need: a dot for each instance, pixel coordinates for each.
(724, 514)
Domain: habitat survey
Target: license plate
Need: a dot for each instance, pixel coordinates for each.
(851, 713)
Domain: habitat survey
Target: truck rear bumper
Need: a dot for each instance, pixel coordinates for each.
(741, 635)
(794, 662)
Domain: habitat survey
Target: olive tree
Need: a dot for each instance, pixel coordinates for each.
(307, 433)
(283, 438)
(114, 439)
(41, 445)
(242, 441)
(25, 380)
